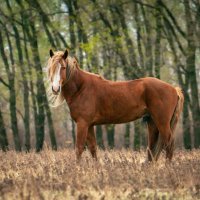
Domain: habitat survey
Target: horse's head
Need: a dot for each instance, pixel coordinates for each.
(57, 70)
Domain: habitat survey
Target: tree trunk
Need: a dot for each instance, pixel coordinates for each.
(137, 141)
(158, 39)
(191, 68)
(110, 135)
(33, 96)
(71, 25)
(139, 42)
(127, 136)
(12, 97)
(148, 44)
(50, 123)
(3, 135)
(186, 126)
(99, 136)
(40, 88)
(82, 36)
(24, 81)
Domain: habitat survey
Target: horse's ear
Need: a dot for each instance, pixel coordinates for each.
(65, 54)
(51, 53)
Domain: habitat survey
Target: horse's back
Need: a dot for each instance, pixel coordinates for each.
(157, 88)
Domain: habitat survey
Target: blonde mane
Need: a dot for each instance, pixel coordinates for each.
(53, 62)
(72, 65)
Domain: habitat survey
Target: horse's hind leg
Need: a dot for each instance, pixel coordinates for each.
(152, 139)
(162, 112)
(170, 149)
(91, 141)
(166, 140)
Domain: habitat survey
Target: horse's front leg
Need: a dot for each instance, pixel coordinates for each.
(82, 131)
(91, 142)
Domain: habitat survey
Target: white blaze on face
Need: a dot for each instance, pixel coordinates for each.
(56, 78)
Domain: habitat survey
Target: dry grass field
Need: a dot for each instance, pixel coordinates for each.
(118, 174)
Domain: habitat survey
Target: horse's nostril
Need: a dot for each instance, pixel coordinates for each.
(56, 91)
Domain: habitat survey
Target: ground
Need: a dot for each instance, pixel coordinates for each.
(118, 174)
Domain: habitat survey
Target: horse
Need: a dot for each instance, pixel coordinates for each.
(93, 100)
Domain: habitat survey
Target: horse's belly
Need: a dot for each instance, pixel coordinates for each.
(120, 115)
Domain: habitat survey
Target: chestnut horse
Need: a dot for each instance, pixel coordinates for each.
(93, 100)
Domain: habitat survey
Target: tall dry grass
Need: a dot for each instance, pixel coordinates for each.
(118, 174)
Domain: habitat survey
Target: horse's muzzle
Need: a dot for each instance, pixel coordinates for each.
(56, 92)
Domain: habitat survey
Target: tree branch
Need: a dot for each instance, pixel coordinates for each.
(173, 19)
(4, 83)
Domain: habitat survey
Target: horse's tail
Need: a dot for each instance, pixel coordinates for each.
(175, 117)
(173, 123)
(178, 109)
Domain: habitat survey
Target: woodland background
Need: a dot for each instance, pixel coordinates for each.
(119, 39)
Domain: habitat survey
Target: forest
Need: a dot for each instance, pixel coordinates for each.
(118, 39)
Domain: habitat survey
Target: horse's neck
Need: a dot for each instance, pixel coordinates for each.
(73, 86)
